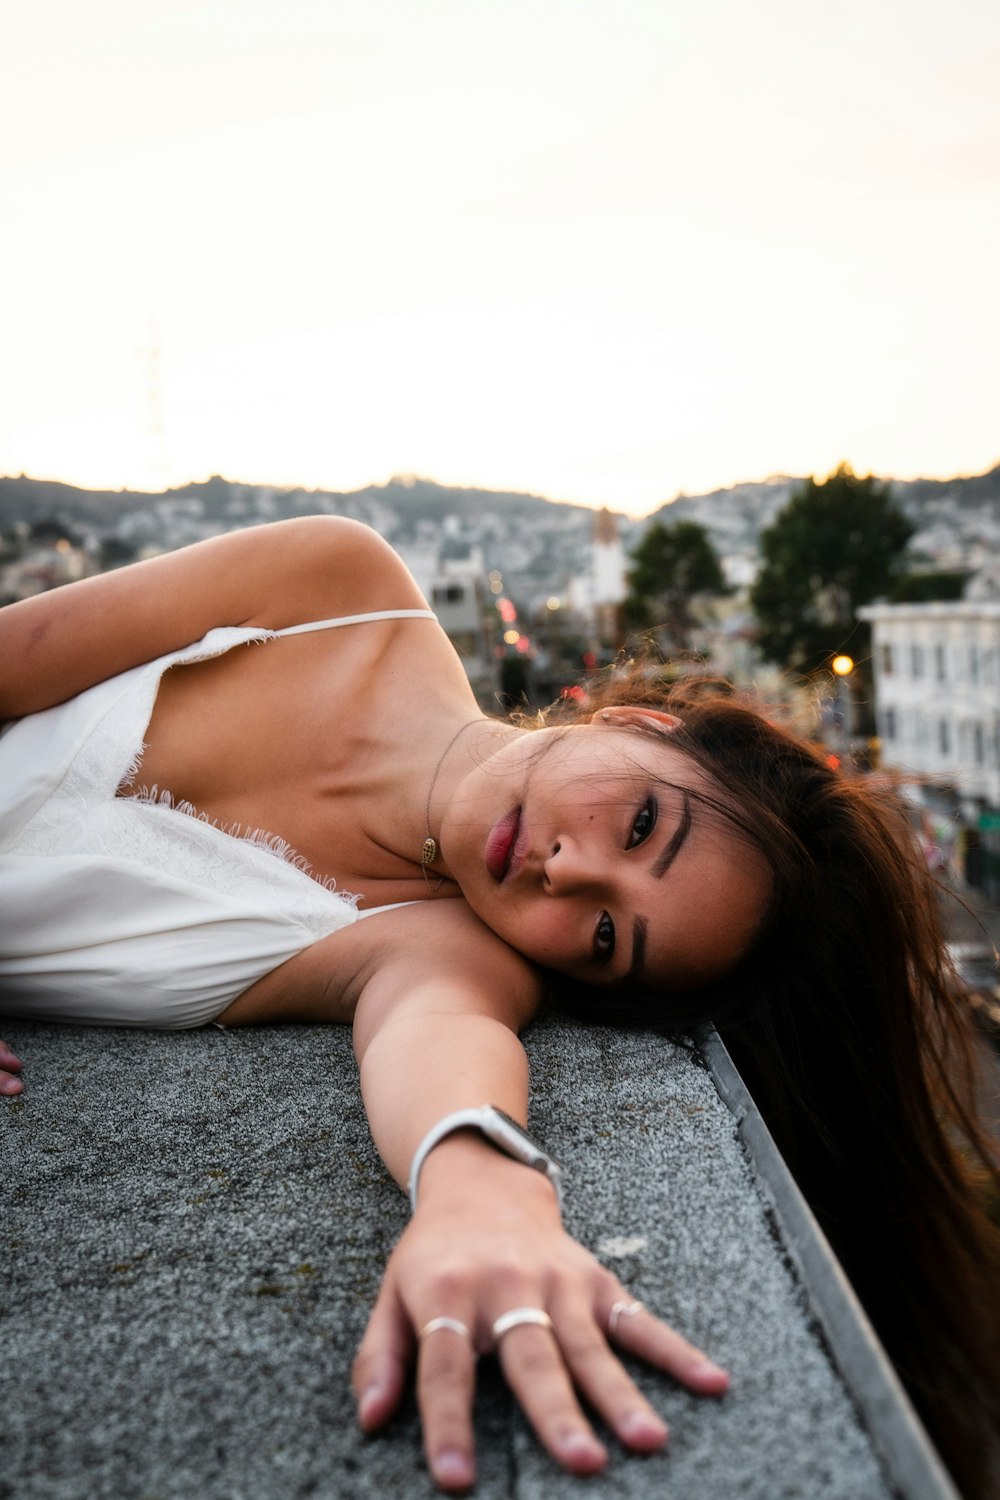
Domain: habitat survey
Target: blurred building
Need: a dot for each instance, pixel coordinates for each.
(596, 595)
(458, 591)
(42, 568)
(937, 700)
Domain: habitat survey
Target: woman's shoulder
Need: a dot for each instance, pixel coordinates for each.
(465, 939)
(323, 567)
(427, 953)
(55, 645)
(443, 948)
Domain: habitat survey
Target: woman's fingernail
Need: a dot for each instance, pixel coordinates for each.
(578, 1449)
(368, 1402)
(643, 1429)
(706, 1367)
(453, 1468)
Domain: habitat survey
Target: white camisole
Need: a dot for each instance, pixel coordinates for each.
(131, 911)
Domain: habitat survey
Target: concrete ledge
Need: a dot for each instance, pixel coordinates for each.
(193, 1229)
(907, 1453)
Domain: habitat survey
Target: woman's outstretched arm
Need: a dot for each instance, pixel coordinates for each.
(487, 1237)
(56, 644)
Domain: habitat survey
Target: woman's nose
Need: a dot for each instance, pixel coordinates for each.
(568, 869)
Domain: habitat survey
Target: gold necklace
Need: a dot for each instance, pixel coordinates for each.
(429, 847)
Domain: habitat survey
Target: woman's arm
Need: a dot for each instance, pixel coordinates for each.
(56, 644)
(486, 1236)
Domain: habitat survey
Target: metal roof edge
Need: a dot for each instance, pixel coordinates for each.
(910, 1460)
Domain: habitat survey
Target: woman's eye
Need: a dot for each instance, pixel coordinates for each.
(604, 939)
(644, 823)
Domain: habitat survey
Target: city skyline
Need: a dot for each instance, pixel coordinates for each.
(603, 253)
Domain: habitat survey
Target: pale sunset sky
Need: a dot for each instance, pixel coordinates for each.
(603, 250)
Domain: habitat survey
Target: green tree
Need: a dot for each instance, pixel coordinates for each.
(836, 545)
(672, 566)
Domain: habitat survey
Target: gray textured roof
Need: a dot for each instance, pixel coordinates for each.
(193, 1229)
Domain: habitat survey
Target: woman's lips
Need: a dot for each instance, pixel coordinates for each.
(500, 844)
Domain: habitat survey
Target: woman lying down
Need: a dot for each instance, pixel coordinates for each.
(248, 782)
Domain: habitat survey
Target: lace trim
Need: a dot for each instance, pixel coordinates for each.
(259, 838)
(127, 782)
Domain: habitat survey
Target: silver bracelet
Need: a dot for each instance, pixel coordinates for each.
(498, 1128)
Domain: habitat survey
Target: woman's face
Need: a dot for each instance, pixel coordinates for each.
(586, 850)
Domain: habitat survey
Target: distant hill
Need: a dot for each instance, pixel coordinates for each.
(416, 499)
(537, 540)
(737, 515)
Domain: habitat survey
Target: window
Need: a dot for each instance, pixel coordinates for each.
(940, 663)
(889, 723)
(448, 593)
(944, 736)
(978, 743)
(885, 659)
(973, 663)
(917, 660)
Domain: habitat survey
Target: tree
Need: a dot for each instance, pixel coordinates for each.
(672, 565)
(836, 545)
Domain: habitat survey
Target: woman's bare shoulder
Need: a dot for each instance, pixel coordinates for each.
(57, 644)
(465, 941)
(329, 566)
(442, 953)
(435, 949)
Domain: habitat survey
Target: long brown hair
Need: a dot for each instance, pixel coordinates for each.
(857, 1042)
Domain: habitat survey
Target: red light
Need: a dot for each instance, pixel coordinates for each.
(833, 761)
(508, 613)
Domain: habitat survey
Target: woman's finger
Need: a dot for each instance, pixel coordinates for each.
(633, 1328)
(10, 1066)
(446, 1378)
(600, 1377)
(536, 1372)
(382, 1362)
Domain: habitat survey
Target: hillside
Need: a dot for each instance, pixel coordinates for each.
(537, 540)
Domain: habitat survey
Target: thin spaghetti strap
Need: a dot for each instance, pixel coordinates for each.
(379, 614)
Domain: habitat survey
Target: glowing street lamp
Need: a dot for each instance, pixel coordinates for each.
(842, 666)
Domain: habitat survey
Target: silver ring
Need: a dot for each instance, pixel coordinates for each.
(516, 1317)
(437, 1324)
(621, 1310)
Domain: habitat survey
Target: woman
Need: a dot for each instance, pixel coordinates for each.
(645, 853)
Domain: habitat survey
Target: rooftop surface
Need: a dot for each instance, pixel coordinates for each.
(192, 1237)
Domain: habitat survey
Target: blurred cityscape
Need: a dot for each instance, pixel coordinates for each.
(536, 597)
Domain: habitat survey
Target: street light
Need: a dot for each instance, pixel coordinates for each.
(842, 666)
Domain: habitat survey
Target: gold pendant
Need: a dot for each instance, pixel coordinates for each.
(428, 851)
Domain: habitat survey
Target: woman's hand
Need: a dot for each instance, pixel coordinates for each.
(10, 1067)
(483, 1243)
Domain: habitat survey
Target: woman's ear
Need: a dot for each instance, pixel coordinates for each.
(626, 715)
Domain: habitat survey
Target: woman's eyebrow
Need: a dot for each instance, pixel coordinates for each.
(676, 844)
(639, 929)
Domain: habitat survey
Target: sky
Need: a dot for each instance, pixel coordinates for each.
(602, 250)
